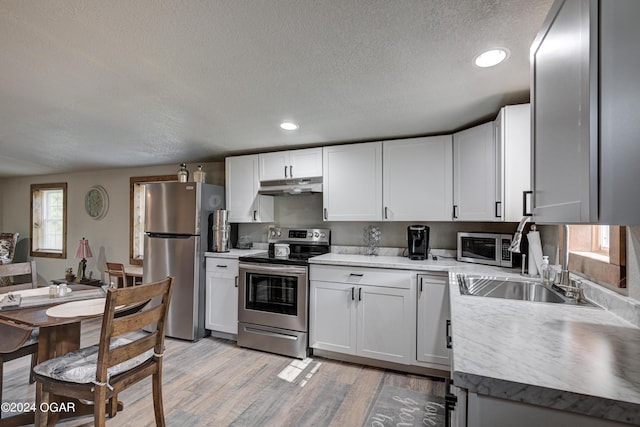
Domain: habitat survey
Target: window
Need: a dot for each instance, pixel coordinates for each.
(49, 220)
(136, 214)
(598, 252)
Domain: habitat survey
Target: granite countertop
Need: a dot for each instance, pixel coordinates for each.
(578, 359)
(570, 358)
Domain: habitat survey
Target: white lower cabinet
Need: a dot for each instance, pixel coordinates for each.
(433, 313)
(486, 411)
(365, 312)
(221, 307)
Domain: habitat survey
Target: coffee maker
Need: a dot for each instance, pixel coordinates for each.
(418, 241)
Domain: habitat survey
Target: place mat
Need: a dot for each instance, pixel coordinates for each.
(43, 300)
(396, 406)
(34, 292)
(89, 307)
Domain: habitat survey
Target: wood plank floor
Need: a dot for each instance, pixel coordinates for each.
(215, 383)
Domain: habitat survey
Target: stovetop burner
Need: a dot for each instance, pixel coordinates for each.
(303, 244)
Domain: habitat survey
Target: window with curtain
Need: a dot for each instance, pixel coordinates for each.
(136, 214)
(49, 220)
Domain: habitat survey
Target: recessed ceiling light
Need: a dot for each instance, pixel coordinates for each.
(491, 57)
(289, 126)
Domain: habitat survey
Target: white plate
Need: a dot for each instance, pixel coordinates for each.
(88, 307)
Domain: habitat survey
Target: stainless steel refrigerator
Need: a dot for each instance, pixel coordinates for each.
(176, 221)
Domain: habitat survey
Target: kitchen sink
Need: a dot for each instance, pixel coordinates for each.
(512, 288)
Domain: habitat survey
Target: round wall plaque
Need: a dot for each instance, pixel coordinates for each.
(96, 202)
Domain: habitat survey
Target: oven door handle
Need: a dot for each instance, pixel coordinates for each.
(280, 269)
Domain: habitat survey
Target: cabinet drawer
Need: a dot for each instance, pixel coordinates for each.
(222, 267)
(362, 276)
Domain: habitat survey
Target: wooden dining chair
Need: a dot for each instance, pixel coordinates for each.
(98, 373)
(116, 274)
(17, 341)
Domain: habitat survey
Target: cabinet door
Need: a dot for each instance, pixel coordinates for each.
(274, 166)
(386, 323)
(352, 182)
(474, 174)
(564, 94)
(222, 305)
(306, 163)
(433, 313)
(332, 317)
(513, 137)
(417, 179)
(242, 183)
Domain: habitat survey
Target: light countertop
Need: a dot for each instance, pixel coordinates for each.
(579, 359)
(235, 253)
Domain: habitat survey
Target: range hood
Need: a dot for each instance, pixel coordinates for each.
(291, 187)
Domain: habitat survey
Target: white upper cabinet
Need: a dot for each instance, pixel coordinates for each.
(352, 182)
(474, 174)
(585, 98)
(242, 183)
(417, 179)
(305, 163)
(513, 140)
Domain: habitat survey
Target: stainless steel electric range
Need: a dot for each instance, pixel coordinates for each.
(273, 295)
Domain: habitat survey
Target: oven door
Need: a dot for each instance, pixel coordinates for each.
(273, 295)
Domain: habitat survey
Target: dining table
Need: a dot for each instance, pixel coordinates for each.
(58, 334)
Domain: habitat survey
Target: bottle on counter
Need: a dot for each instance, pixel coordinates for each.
(545, 270)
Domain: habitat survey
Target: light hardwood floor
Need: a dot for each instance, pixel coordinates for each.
(215, 383)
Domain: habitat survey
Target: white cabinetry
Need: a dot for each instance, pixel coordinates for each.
(433, 313)
(585, 98)
(221, 308)
(417, 179)
(242, 183)
(492, 167)
(513, 140)
(362, 311)
(483, 411)
(305, 163)
(352, 182)
(474, 179)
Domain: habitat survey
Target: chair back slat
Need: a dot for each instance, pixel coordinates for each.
(131, 350)
(19, 269)
(112, 326)
(136, 321)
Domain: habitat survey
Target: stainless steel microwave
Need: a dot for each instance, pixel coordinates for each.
(485, 248)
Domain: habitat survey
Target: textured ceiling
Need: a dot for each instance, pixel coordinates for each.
(92, 84)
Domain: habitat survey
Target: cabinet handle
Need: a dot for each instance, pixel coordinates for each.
(290, 171)
(356, 274)
(221, 266)
(359, 294)
(497, 209)
(237, 281)
(449, 339)
(420, 285)
(386, 212)
(525, 211)
(325, 214)
(255, 215)
(285, 171)
(455, 211)
(353, 293)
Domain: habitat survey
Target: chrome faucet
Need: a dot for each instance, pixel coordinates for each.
(517, 237)
(571, 288)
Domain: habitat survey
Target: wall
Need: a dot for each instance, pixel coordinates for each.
(108, 238)
(306, 211)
